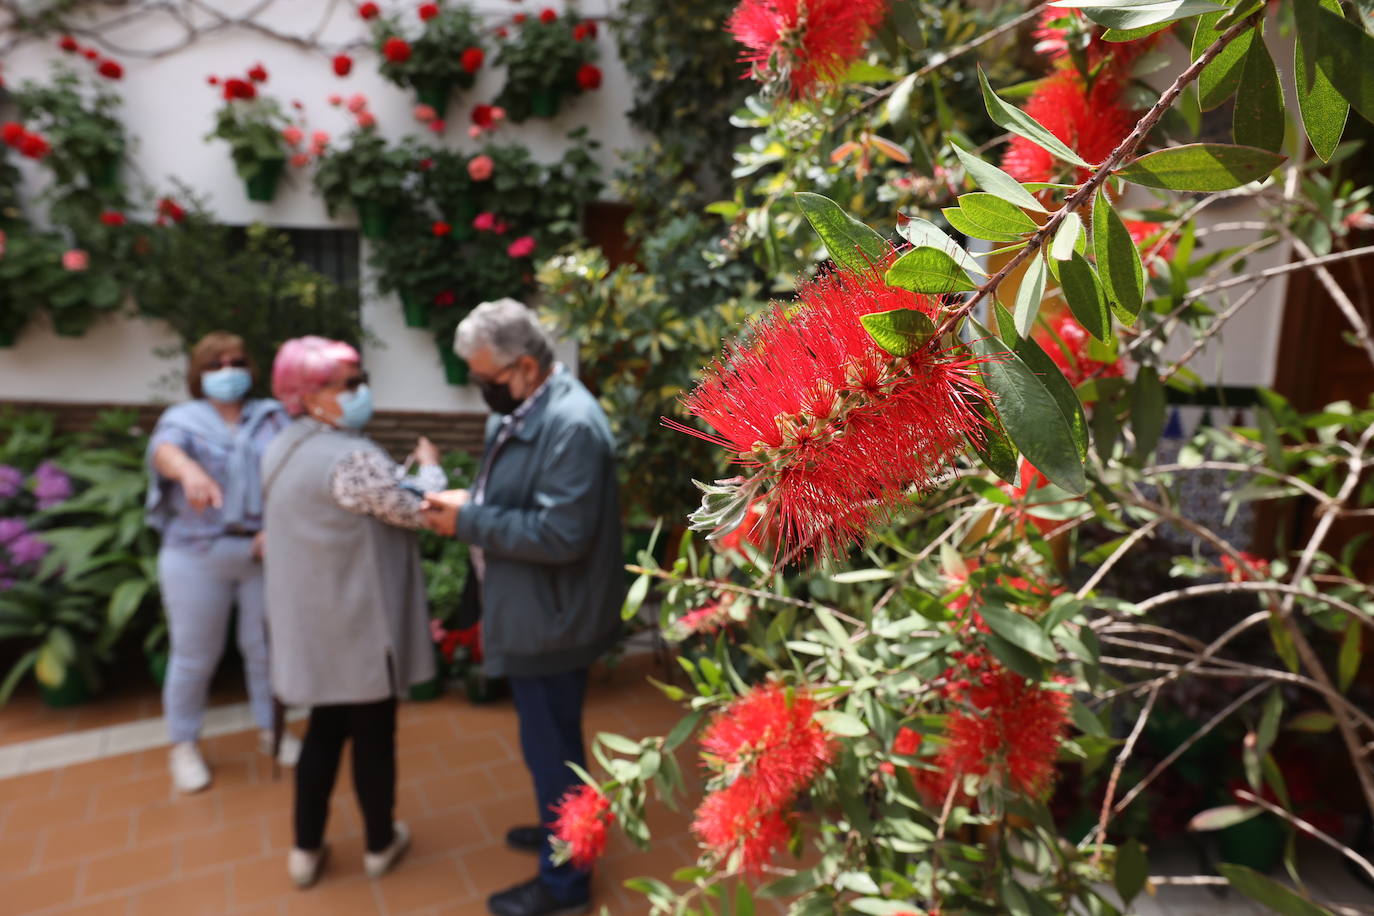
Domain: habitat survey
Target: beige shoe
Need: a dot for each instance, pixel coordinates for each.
(189, 772)
(305, 867)
(287, 754)
(377, 864)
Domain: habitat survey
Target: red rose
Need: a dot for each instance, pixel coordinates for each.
(396, 50)
(548, 16)
(171, 210)
(502, 33)
(258, 74)
(444, 300)
(343, 64)
(428, 11)
(591, 29)
(589, 76)
(438, 126)
(113, 218)
(212, 80)
(110, 69)
(584, 30)
(90, 54)
(426, 164)
(12, 132)
(482, 117)
(472, 59)
(68, 44)
(235, 88)
(368, 10)
(440, 229)
(519, 18)
(34, 146)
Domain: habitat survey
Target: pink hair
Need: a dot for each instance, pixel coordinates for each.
(305, 364)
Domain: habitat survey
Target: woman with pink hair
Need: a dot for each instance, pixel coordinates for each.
(346, 604)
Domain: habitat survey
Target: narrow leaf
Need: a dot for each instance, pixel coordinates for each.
(994, 213)
(1029, 295)
(1221, 818)
(1070, 407)
(1147, 411)
(852, 244)
(1019, 630)
(995, 181)
(900, 332)
(1118, 261)
(1125, 17)
(1269, 892)
(1066, 238)
(962, 222)
(1218, 80)
(1132, 870)
(1324, 111)
(1023, 125)
(1258, 119)
(928, 270)
(1084, 295)
(1200, 167)
(1341, 51)
(923, 233)
(1348, 662)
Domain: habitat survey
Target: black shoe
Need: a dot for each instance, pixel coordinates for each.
(526, 839)
(532, 899)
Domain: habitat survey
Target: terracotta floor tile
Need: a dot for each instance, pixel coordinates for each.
(268, 908)
(511, 779)
(130, 869)
(28, 786)
(41, 889)
(87, 839)
(258, 880)
(426, 884)
(351, 897)
(455, 790)
(133, 795)
(98, 774)
(118, 905)
(224, 846)
(241, 802)
(32, 815)
(18, 855)
(419, 763)
(501, 814)
(178, 818)
(205, 894)
(495, 868)
(475, 751)
(453, 830)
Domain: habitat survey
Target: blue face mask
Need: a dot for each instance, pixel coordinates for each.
(228, 385)
(356, 407)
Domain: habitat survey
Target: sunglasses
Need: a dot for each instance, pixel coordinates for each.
(354, 382)
(236, 362)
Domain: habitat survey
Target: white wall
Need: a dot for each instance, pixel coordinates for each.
(168, 110)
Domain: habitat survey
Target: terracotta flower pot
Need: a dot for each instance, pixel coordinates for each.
(262, 187)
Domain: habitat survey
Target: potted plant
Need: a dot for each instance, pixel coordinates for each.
(256, 129)
(416, 261)
(445, 54)
(548, 59)
(366, 173)
(448, 185)
(84, 138)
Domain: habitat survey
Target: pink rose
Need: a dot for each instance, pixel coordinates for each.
(521, 247)
(367, 119)
(357, 103)
(293, 136)
(474, 131)
(497, 112)
(300, 160)
(335, 99)
(76, 259)
(319, 139)
(425, 113)
(480, 168)
(437, 125)
(484, 222)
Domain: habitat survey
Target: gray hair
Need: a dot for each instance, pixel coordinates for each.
(508, 328)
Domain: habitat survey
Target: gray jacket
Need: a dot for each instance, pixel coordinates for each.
(550, 528)
(346, 606)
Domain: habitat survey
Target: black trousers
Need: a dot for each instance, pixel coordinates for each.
(372, 728)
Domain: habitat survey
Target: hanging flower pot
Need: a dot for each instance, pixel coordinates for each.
(416, 311)
(544, 103)
(455, 369)
(72, 691)
(374, 219)
(464, 211)
(262, 186)
(435, 94)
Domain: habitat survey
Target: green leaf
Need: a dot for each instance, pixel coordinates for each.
(1132, 869)
(1023, 125)
(1314, 721)
(1221, 818)
(996, 214)
(124, 603)
(1348, 662)
(1118, 261)
(1030, 294)
(900, 332)
(1324, 111)
(995, 181)
(1059, 388)
(1219, 79)
(1066, 237)
(635, 597)
(1020, 631)
(1119, 35)
(928, 270)
(994, 447)
(1200, 167)
(1269, 892)
(1084, 295)
(682, 731)
(744, 900)
(1258, 119)
(1147, 411)
(961, 221)
(1340, 51)
(1126, 16)
(1030, 414)
(852, 244)
(1269, 721)
(841, 723)
(923, 233)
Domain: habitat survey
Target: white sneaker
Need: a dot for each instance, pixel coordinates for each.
(377, 864)
(305, 867)
(189, 772)
(289, 752)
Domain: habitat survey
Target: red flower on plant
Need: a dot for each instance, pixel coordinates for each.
(424, 113)
(440, 229)
(425, 164)
(212, 80)
(729, 821)
(770, 739)
(1061, 28)
(547, 16)
(110, 69)
(1090, 122)
(366, 119)
(582, 816)
(257, 73)
(1070, 351)
(472, 59)
(90, 54)
(840, 429)
(293, 135)
(343, 65)
(805, 42)
(1010, 731)
(584, 30)
(522, 247)
(1146, 237)
(357, 102)
(235, 88)
(33, 145)
(12, 132)
(1253, 567)
(300, 160)
(589, 76)
(396, 50)
(113, 218)
(502, 32)
(480, 167)
(438, 126)
(68, 43)
(171, 210)
(428, 11)
(484, 222)
(519, 18)
(444, 299)
(368, 10)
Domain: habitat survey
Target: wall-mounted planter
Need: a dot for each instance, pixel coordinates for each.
(262, 187)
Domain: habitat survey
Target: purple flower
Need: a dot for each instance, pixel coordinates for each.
(11, 480)
(26, 550)
(11, 528)
(6, 584)
(51, 485)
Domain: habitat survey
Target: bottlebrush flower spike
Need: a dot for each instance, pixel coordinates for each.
(1009, 731)
(583, 815)
(803, 42)
(1091, 122)
(1061, 28)
(835, 429)
(730, 825)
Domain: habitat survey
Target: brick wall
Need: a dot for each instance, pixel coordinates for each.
(395, 430)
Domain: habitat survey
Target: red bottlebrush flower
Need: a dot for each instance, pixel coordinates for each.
(33, 145)
(840, 428)
(729, 822)
(90, 54)
(1146, 237)
(12, 132)
(343, 65)
(472, 59)
(582, 816)
(1061, 28)
(773, 740)
(1091, 123)
(110, 69)
(368, 10)
(235, 88)
(170, 209)
(113, 218)
(258, 73)
(68, 43)
(749, 531)
(589, 77)
(440, 229)
(1030, 480)
(1070, 351)
(1011, 733)
(396, 50)
(547, 16)
(428, 11)
(1254, 567)
(805, 42)
(445, 298)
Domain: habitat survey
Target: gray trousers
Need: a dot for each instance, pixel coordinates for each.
(199, 589)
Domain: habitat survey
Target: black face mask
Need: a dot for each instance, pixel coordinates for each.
(499, 398)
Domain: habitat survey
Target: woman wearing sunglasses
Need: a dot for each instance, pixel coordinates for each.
(205, 496)
(345, 593)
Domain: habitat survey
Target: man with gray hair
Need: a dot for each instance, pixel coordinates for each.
(543, 521)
